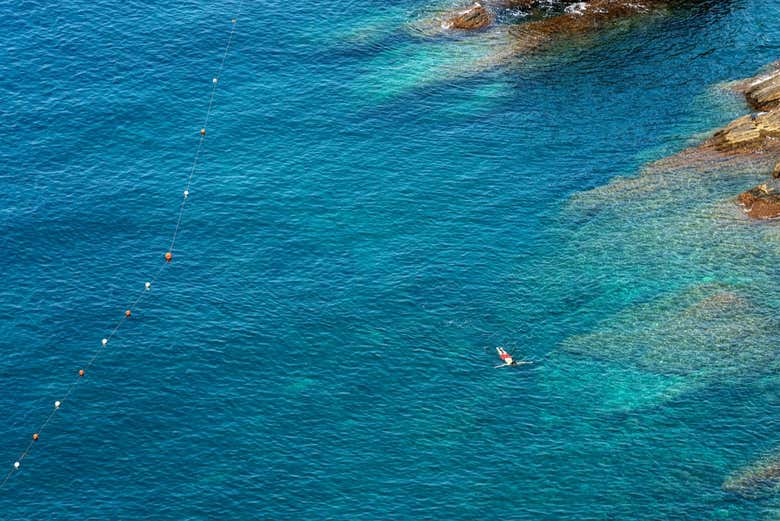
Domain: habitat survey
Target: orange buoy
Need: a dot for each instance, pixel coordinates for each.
(203, 132)
(81, 372)
(127, 313)
(35, 436)
(168, 257)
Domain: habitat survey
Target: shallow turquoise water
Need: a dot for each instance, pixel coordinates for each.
(377, 208)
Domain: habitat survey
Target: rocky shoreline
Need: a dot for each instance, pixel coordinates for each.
(756, 133)
(752, 141)
(551, 19)
(546, 22)
(748, 143)
(748, 138)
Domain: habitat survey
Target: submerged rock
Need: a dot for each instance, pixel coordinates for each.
(749, 145)
(758, 480)
(705, 333)
(554, 19)
(761, 202)
(475, 17)
(513, 29)
(578, 19)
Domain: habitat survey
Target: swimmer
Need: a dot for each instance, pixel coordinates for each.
(508, 360)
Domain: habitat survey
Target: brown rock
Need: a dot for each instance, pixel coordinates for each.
(587, 17)
(776, 171)
(757, 132)
(475, 17)
(763, 91)
(760, 202)
(750, 133)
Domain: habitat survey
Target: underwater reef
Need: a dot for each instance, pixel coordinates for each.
(697, 335)
(749, 144)
(758, 480)
(705, 332)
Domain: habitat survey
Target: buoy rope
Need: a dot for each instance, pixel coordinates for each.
(214, 83)
(149, 283)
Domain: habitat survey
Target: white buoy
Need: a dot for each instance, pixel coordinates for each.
(16, 465)
(57, 404)
(214, 80)
(148, 286)
(186, 193)
(104, 341)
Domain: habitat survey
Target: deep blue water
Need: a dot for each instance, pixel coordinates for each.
(375, 210)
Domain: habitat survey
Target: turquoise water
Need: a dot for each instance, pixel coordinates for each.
(378, 205)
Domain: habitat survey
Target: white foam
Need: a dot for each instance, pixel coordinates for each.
(578, 8)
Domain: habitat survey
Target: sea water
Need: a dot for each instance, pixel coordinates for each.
(379, 204)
